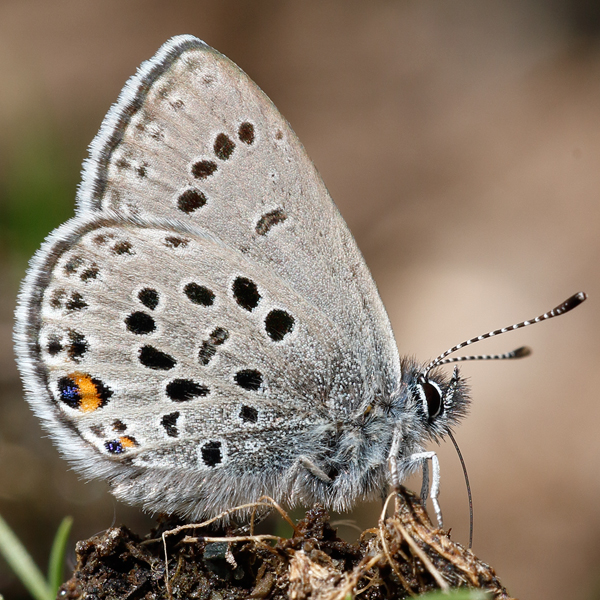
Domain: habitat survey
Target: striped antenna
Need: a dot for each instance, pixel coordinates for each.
(518, 353)
(566, 306)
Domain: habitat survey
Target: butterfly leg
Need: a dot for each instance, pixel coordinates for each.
(434, 492)
(393, 459)
(314, 469)
(425, 483)
(421, 457)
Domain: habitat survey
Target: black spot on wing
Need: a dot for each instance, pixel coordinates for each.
(148, 297)
(203, 169)
(183, 390)
(169, 422)
(152, 358)
(211, 454)
(209, 346)
(199, 294)
(269, 220)
(224, 146)
(191, 200)
(249, 414)
(278, 324)
(246, 133)
(246, 293)
(249, 379)
(140, 323)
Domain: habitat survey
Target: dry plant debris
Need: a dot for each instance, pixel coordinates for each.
(404, 556)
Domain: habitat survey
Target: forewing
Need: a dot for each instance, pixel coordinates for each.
(192, 138)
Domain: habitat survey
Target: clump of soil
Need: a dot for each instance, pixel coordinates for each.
(404, 556)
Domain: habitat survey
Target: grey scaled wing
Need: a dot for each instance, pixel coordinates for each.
(206, 318)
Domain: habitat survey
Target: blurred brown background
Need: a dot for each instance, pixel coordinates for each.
(461, 142)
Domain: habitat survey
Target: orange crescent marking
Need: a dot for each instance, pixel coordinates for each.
(90, 399)
(126, 442)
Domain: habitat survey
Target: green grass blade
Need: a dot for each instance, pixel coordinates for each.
(22, 564)
(56, 564)
(462, 594)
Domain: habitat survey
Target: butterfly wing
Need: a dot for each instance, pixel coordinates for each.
(206, 318)
(193, 138)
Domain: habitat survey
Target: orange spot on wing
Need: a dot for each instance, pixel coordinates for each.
(88, 392)
(127, 442)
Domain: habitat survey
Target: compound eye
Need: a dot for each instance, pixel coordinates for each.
(433, 397)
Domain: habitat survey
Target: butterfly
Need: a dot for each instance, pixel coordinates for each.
(205, 330)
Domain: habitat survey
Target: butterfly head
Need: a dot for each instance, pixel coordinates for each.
(438, 401)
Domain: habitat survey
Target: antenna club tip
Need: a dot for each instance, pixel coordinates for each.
(574, 300)
(522, 352)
